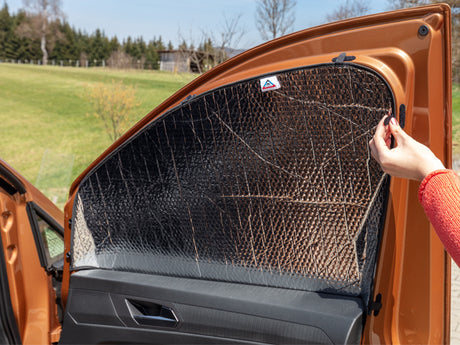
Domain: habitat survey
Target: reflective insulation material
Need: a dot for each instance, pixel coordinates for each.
(244, 184)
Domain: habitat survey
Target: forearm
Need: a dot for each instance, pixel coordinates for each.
(439, 195)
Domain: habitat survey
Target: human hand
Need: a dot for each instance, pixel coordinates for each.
(409, 159)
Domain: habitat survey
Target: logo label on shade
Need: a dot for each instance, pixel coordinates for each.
(270, 83)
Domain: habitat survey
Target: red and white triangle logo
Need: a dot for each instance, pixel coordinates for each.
(270, 83)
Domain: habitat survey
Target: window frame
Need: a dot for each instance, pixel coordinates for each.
(34, 211)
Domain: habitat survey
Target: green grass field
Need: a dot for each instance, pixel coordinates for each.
(456, 121)
(46, 134)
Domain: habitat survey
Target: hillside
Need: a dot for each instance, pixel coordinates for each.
(46, 133)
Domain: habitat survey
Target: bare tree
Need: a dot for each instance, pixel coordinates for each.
(120, 59)
(397, 4)
(350, 9)
(229, 37)
(188, 59)
(41, 23)
(224, 43)
(214, 48)
(274, 18)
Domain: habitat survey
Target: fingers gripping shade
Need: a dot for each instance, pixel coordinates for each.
(275, 188)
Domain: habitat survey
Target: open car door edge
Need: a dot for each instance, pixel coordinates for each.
(29, 308)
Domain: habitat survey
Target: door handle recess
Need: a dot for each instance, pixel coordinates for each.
(152, 314)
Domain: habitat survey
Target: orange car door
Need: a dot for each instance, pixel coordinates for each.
(31, 252)
(247, 208)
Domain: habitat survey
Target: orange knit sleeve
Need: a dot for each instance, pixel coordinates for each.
(439, 194)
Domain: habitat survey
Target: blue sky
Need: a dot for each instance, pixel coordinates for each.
(183, 18)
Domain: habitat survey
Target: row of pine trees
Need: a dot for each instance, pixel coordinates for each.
(69, 46)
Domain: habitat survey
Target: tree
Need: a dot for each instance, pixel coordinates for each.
(99, 47)
(119, 59)
(25, 48)
(114, 45)
(6, 33)
(42, 23)
(230, 35)
(113, 104)
(350, 9)
(274, 17)
(66, 49)
(214, 46)
(152, 57)
(397, 4)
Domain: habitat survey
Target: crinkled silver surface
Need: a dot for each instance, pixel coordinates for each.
(275, 188)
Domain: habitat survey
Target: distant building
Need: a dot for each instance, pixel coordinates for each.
(180, 61)
(175, 61)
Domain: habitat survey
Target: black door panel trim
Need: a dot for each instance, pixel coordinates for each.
(207, 308)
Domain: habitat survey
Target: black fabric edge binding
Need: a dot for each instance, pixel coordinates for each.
(387, 120)
(371, 302)
(402, 117)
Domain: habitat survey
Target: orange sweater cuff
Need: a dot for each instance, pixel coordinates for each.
(439, 194)
(430, 176)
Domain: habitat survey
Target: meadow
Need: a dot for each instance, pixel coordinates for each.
(47, 134)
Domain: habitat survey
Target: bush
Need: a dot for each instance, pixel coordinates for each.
(113, 104)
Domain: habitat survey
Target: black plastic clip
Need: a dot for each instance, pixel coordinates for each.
(402, 115)
(187, 99)
(375, 306)
(343, 58)
(68, 258)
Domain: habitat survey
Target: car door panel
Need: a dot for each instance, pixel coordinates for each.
(254, 184)
(207, 311)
